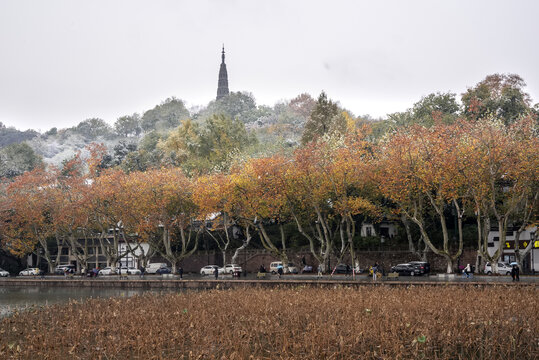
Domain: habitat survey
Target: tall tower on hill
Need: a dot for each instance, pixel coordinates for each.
(222, 86)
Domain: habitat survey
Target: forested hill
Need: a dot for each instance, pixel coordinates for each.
(211, 137)
(202, 137)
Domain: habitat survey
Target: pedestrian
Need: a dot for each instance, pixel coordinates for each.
(303, 261)
(374, 271)
(262, 269)
(348, 270)
(319, 271)
(180, 271)
(515, 272)
(142, 271)
(216, 272)
(467, 271)
(280, 270)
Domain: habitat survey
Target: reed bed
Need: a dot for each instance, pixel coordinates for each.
(499, 322)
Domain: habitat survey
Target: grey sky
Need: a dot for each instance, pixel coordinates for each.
(65, 61)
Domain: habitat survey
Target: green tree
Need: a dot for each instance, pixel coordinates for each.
(165, 116)
(16, 159)
(325, 118)
(441, 107)
(128, 125)
(498, 95)
(93, 128)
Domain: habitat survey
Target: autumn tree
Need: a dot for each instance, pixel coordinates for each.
(420, 171)
(213, 196)
(165, 197)
(26, 217)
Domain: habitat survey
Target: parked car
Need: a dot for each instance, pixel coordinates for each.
(405, 269)
(108, 271)
(163, 270)
(292, 269)
(124, 270)
(503, 268)
(343, 269)
(3, 273)
(210, 270)
(29, 272)
(422, 267)
(61, 269)
(153, 267)
(231, 269)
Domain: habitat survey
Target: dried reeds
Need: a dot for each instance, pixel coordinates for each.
(304, 323)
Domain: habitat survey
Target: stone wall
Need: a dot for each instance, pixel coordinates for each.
(251, 260)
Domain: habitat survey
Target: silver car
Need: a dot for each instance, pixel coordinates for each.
(503, 269)
(3, 273)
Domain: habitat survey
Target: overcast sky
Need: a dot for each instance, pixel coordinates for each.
(62, 62)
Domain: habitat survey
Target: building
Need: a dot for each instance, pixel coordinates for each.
(222, 85)
(530, 263)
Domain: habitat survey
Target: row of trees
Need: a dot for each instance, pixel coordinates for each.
(486, 170)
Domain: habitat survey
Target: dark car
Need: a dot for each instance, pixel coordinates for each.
(405, 269)
(422, 267)
(343, 269)
(163, 270)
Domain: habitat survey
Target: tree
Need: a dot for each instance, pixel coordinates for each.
(16, 159)
(214, 199)
(212, 146)
(94, 128)
(420, 171)
(502, 177)
(128, 125)
(239, 106)
(27, 221)
(325, 118)
(498, 95)
(435, 107)
(164, 116)
(165, 200)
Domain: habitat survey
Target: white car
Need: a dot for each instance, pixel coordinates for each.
(129, 271)
(231, 269)
(108, 271)
(154, 268)
(210, 270)
(3, 273)
(292, 269)
(503, 268)
(29, 272)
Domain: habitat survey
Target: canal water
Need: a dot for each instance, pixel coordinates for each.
(18, 298)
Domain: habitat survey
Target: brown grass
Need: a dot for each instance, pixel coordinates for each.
(498, 322)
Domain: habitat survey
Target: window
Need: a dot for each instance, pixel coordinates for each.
(368, 231)
(490, 244)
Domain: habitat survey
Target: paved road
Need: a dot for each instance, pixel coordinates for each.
(337, 278)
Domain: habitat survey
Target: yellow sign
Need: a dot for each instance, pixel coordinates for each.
(536, 244)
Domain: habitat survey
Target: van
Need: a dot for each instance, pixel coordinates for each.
(290, 269)
(153, 267)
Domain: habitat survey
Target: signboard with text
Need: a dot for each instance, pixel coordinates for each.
(510, 244)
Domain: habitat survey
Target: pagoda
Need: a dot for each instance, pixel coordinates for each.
(222, 86)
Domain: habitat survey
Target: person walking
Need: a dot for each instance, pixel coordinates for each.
(515, 272)
(319, 271)
(374, 271)
(467, 271)
(216, 272)
(180, 271)
(142, 271)
(280, 270)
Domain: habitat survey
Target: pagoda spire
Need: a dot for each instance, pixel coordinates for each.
(222, 85)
